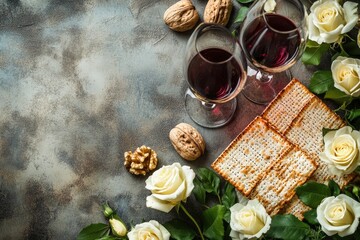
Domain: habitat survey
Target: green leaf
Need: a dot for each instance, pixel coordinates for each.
(334, 188)
(338, 96)
(213, 222)
(310, 217)
(229, 196)
(314, 52)
(228, 200)
(321, 81)
(287, 227)
(241, 14)
(353, 114)
(353, 191)
(180, 230)
(312, 193)
(94, 231)
(110, 238)
(352, 48)
(245, 1)
(209, 180)
(199, 191)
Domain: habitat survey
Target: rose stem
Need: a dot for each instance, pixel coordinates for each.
(193, 220)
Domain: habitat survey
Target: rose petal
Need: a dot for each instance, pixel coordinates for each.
(155, 203)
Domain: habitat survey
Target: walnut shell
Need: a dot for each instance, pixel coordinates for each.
(218, 11)
(187, 141)
(181, 16)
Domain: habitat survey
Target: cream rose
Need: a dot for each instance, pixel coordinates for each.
(269, 5)
(117, 227)
(346, 75)
(358, 39)
(341, 153)
(169, 185)
(248, 221)
(328, 20)
(149, 230)
(338, 215)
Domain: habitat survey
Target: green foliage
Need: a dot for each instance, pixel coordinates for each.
(216, 218)
(312, 193)
(321, 81)
(245, 1)
(353, 114)
(208, 180)
(338, 96)
(240, 16)
(314, 52)
(213, 222)
(228, 199)
(94, 231)
(334, 188)
(288, 227)
(310, 217)
(180, 230)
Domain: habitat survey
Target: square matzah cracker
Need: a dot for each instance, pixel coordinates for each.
(306, 131)
(287, 105)
(251, 155)
(278, 186)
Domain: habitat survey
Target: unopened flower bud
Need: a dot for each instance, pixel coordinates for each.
(118, 228)
(108, 212)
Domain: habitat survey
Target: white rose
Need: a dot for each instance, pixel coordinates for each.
(248, 221)
(169, 185)
(338, 215)
(341, 152)
(346, 75)
(328, 20)
(149, 230)
(269, 5)
(118, 228)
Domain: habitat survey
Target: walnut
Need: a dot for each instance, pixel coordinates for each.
(142, 161)
(181, 16)
(187, 141)
(218, 11)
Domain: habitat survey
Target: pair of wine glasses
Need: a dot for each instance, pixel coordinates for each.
(218, 66)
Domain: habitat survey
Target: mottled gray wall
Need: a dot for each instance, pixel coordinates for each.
(81, 82)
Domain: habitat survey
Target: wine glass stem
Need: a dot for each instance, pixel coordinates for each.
(208, 106)
(263, 77)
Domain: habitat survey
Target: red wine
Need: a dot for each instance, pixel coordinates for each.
(214, 74)
(271, 40)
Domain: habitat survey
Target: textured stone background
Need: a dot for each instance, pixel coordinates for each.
(81, 82)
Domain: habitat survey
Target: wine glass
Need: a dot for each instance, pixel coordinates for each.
(214, 68)
(273, 37)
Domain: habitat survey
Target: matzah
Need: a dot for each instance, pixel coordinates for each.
(296, 207)
(308, 117)
(279, 151)
(287, 105)
(251, 155)
(278, 186)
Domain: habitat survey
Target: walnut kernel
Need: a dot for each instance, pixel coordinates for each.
(142, 161)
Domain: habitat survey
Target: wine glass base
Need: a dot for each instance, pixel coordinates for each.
(209, 115)
(262, 87)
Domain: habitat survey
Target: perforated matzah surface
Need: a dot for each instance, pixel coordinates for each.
(283, 109)
(278, 186)
(251, 155)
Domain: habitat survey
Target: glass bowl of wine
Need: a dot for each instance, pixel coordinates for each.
(215, 70)
(273, 37)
